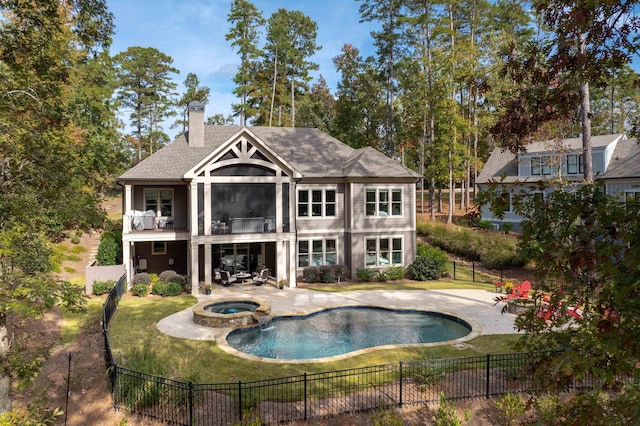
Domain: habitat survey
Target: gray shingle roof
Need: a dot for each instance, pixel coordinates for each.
(310, 152)
(505, 164)
(625, 162)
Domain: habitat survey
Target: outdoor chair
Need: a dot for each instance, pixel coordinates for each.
(227, 278)
(521, 291)
(262, 277)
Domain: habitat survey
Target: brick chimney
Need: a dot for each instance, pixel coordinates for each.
(195, 135)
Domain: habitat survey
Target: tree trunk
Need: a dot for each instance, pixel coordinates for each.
(585, 107)
(5, 379)
(273, 87)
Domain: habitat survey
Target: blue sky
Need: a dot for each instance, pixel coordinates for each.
(193, 33)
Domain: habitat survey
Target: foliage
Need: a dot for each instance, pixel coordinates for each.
(386, 418)
(103, 287)
(395, 272)
(168, 275)
(584, 244)
(110, 248)
(494, 249)
(366, 274)
(507, 227)
(324, 273)
(140, 290)
(485, 224)
(511, 406)
(446, 414)
(171, 288)
(430, 264)
(142, 278)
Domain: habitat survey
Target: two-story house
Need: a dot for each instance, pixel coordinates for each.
(232, 198)
(615, 160)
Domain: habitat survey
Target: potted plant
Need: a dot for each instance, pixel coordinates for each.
(508, 287)
(498, 286)
(207, 289)
(282, 283)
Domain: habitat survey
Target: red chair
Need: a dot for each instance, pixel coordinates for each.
(520, 291)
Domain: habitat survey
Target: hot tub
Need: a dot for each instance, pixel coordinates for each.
(230, 312)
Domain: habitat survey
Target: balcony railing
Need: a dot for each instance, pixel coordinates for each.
(244, 225)
(150, 222)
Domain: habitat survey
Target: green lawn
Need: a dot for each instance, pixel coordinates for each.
(134, 328)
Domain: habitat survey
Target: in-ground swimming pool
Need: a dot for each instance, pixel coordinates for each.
(342, 330)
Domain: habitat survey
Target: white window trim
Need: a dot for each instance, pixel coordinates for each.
(391, 251)
(309, 203)
(309, 242)
(377, 202)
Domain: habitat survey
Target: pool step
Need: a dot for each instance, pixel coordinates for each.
(263, 320)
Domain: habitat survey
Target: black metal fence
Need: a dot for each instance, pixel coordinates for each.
(478, 272)
(306, 396)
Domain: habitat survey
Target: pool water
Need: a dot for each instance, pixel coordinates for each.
(342, 330)
(231, 307)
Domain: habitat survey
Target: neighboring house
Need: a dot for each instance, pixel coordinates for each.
(232, 198)
(615, 159)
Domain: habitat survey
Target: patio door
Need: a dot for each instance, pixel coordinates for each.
(237, 258)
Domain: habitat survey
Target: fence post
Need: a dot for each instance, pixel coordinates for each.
(473, 271)
(240, 400)
(305, 395)
(190, 403)
(454, 270)
(488, 390)
(400, 383)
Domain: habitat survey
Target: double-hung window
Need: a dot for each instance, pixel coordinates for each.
(383, 202)
(540, 166)
(383, 251)
(575, 164)
(632, 196)
(316, 202)
(316, 253)
(160, 201)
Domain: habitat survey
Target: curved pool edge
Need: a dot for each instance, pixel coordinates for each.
(235, 320)
(475, 331)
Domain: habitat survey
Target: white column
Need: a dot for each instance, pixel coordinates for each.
(207, 262)
(126, 259)
(279, 212)
(193, 207)
(128, 203)
(207, 208)
(291, 263)
(194, 272)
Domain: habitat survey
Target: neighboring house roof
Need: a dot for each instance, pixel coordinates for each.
(502, 166)
(311, 152)
(625, 162)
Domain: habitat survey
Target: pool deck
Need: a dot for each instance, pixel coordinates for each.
(475, 306)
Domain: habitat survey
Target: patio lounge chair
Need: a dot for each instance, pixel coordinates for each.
(262, 277)
(227, 278)
(521, 291)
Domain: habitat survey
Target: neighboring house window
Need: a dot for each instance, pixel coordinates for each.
(632, 196)
(316, 202)
(538, 196)
(540, 166)
(505, 202)
(575, 164)
(316, 253)
(383, 202)
(159, 200)
(383, 252)
(159, 247)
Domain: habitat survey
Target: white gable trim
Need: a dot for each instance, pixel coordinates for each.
(243, 136)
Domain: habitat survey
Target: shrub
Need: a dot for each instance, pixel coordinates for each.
(511, 406)
(182, 281)
(366, 274)
(395, 272)
(431, 267)
(485, 224)
(110, 248)
(507, 227)
(142, 278)
(140, 290)
(166, 276)
(311, 274)
(75, 239)
(167, 289)
(103, 287)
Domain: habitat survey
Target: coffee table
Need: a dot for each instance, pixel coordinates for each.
(243, 276)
